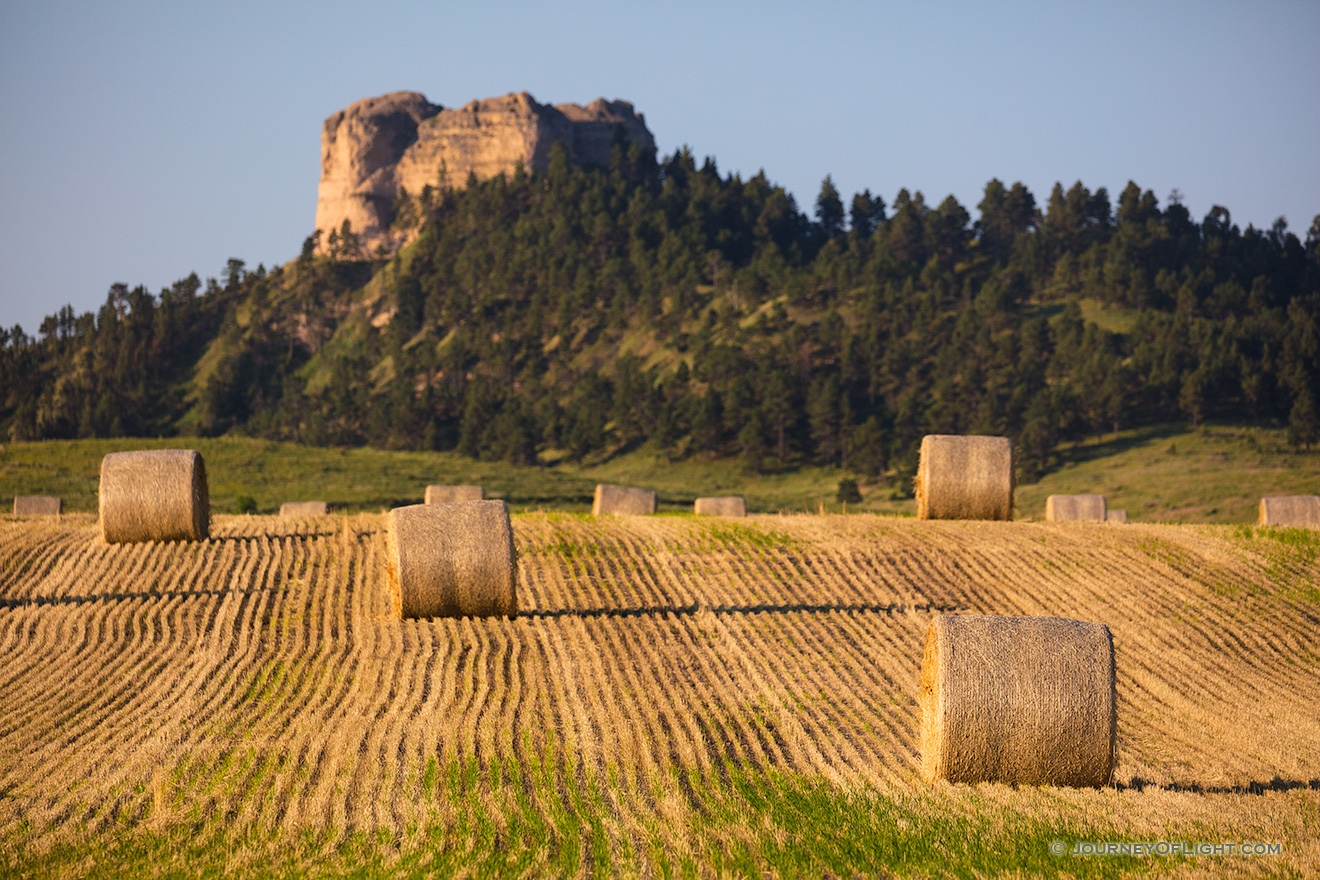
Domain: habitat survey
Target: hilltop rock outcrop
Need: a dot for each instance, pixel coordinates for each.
(377, 146)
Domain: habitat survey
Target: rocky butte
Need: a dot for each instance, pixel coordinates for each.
(379, 146)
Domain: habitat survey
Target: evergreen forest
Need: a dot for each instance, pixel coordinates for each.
(585, 312)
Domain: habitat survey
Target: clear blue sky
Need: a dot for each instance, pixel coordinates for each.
(143, 141)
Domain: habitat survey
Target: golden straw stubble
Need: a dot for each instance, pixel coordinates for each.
(452, 560)
(965, 477)
(154, 495)
(1026, 700)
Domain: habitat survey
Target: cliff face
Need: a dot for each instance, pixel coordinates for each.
(376, 146)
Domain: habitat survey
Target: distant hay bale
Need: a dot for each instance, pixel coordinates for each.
(450, 494)
(452, 560)
(37, 505)
(1074, 508)
(154, 495)
(1116, 516)
(965, 477)
(1291, 510)
(303, 508)
(724, 505)
(622, 500)
(1026, 700)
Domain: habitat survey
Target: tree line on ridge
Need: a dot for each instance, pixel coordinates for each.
(585, 312)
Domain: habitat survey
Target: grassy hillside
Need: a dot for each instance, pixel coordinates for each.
(1214, 474)
(678, 697)
(1168, 474)
(596, 311)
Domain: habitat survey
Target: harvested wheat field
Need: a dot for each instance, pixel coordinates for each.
(676, 697)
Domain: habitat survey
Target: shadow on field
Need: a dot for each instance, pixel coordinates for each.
(39, 601)
(250, 539)
(1140, 437)
(697, 607)
(1275, 784)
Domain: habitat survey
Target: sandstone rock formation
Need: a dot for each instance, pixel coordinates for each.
(378, 145)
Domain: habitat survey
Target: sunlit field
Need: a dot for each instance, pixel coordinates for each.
(678, 696)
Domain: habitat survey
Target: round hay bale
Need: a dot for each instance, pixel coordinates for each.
(154, 495)
(1301, 511)
(37, 505)
(1075, 508)
(1116, 516)
(303, 508)
(622, 500)
(1025, 700)
(452, 560)
(965, 477)
(724, 505)
(450, 494)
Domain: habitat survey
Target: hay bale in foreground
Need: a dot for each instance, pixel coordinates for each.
(1075, 508)
(37, 505)
(1302, 511)
(450, 494)
(1116, 516)
(452, 560)
(154, 495)
(623, 500)
(965, 477)
(722, 505)
(303, 508)
(1025, 700)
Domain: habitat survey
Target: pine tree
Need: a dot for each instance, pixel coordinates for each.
(751, 443)
(829, 209)
(869, 455)
(1303, 424)
(823, 417)
(867, 213)
(475, 418)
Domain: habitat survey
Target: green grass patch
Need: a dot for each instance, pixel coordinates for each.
(733, 823)
(1292, 558)
(743, 538)
(1109, 318)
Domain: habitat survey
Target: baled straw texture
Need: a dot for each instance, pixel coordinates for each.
(155, 495)
(965, 478)
(452, 560)
(1073, 508)
(303, 508)
(1291, 510)
(450, 494)
(622, 500)
(725, 505)
(1116, 516)
(37, 505)
(1025, 700)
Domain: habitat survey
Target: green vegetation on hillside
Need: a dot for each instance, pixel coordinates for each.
(1211, 474)
(583, 314)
